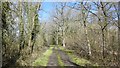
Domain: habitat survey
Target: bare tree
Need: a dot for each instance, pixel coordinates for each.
(61, 23)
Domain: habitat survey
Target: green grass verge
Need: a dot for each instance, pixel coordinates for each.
(43, 60)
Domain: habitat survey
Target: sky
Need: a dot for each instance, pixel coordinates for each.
(47, 7)
(47, 11)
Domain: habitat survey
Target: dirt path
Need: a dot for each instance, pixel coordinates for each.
(53, 61)
(65, 58)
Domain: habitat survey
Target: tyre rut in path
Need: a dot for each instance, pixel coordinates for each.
(53, 60)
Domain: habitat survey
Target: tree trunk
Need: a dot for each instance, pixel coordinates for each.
(1, 49)
(63, 42)
(103, 45)
(119, 33)
(57, 39)
(87, 40)
(21, 27)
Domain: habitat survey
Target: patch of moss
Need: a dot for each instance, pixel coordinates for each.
(60, 63)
